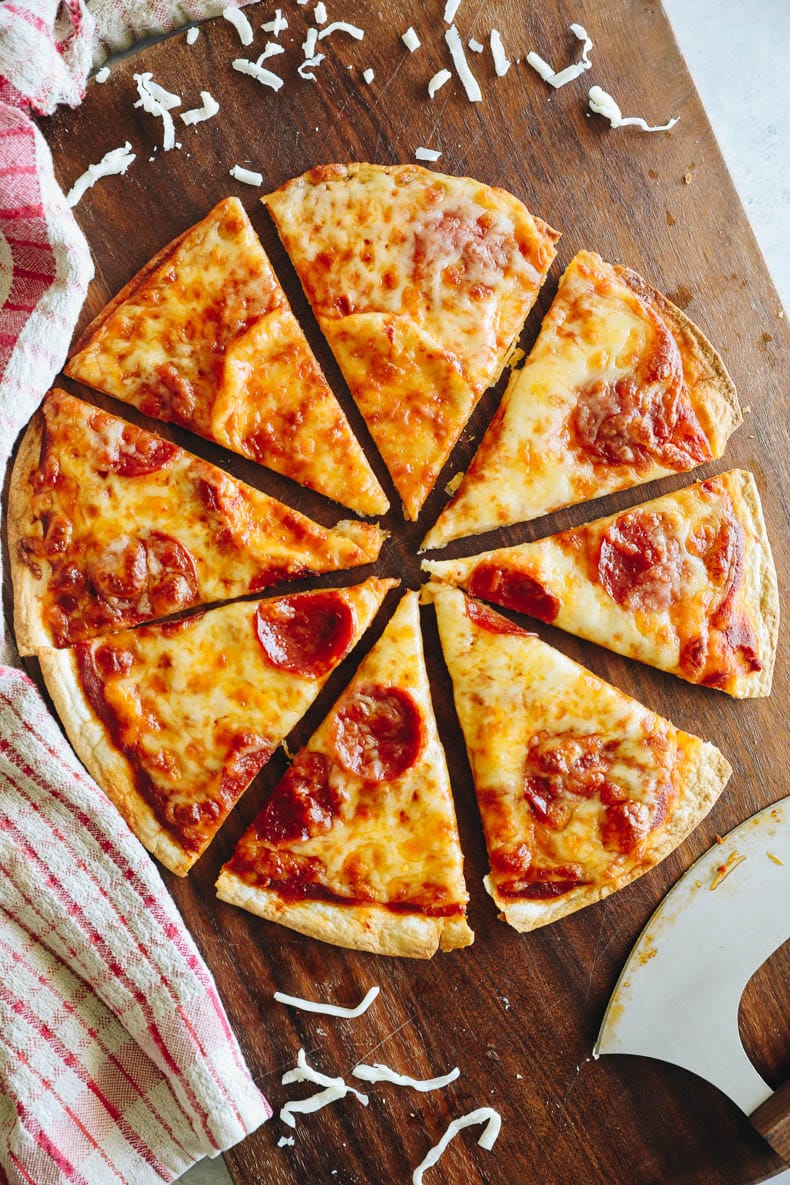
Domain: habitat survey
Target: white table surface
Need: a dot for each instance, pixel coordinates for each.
(737, 53)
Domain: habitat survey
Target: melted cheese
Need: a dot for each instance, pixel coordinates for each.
(597, 332)
(208, 340)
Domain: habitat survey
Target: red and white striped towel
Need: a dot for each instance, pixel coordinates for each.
(117, 1063)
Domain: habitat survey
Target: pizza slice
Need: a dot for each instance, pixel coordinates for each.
(358, 844)
(175, 719)
(203, 336)
(421, 283)
(685, 583)
(581, 789)
(620, 388)
(110, 525)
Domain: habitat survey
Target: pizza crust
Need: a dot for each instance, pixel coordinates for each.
(108, 767)
(703, 776)
(367, 927)
(761, 594)
(29, 627)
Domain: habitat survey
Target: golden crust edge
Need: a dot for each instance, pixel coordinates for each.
(706, 773)
(765, 614)
(368, 927)
(104, 763)
(29, 628)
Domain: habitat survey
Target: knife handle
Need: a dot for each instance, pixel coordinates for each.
(772, 1120)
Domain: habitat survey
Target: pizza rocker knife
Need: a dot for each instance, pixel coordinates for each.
(677, 997)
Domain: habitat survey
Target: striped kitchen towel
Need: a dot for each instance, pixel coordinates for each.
(117, 1062)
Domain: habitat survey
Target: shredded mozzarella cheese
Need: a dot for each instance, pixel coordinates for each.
(200, 114)
(475, 45)
(603, 104)
(156, 101)
(501, 62)
(111, 164)
(368, 75)
(305, 70)
(277, 25)
(342, 27)
(259, 73)
(431, 154)
(192, 35)
(438, 81)
(487, 1115)
(411, 40)
(329, 1009)
(240, 23)
(381, 1073)
(310, 42)
(581, 34)
(102, 75)
(286, 1142)
(270, 50)
(470, 85)
(575, 70)
(248, 176)
(319, 13)
(450, 9)
(333, 1089)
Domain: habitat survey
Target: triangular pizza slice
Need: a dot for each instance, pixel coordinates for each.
(685, 583)
(358, 844)
(174, 720)
(581, 789)
(110, 525)
(620, 388)
(203, 336)
(421, 283)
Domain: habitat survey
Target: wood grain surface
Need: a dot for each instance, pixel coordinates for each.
(517, 1014)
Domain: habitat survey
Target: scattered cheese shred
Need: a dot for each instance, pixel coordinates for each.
(259, 73)
(333, 1089)
(319, 13)
(431, 154)
(411, 40)
(192, 35)
(329, 1009)
(310, 42)
(277, 25)
(270, 50)
(102, 75)
(156, 101)
(501, 62)
(248, 176)
(561, 77)
(342, 27)
(438, 81)
(455, 481)
(475, 45)
(368, 75)
(111, 164)
(240, 23)
(581, 33)
(381, 1073)
(286, 1142)
(450, 10)
(453, 39)
(306, 69)
(724, 870)
(776, 859)
(487, 1115)
(200, 114)
(603, 104)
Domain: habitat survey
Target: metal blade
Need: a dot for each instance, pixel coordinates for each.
(678, 994)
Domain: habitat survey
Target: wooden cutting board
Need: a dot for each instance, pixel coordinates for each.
(517, 1014)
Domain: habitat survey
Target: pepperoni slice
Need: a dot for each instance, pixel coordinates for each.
(640, 562)
(141, 453)
(173, 578)
(306, 633)
(120, 571)
(302, 803)
(513, 589)
(625, 825)
(379, 734)
(487, 619)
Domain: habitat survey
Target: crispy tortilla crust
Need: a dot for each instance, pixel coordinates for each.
(703, 776)
(29, 627)
(711, 390)
(760, 596)
(102, 760)
(371, 928)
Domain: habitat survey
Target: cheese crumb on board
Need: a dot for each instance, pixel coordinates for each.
(450, 10)
(501, 62)
(259, 73)
(333, 1089)
(410, 39)
(562, 77)
(200, 114)
(286, 1142)
(342, 27)
(470, 84)
(306, 69)
(329, 1009)
(487, 1115)
(431, 154)
(310, 42)
(270, 50)
(475, 45)
(378, 1072)
(454, 483)
(240, 23)
(438, 81)
(192, 35)
(102, 75)
(277, 25)
(368, 75)
(248, 176)
(114, 162)
(319, 13)
(603, 104)
(156, 101)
